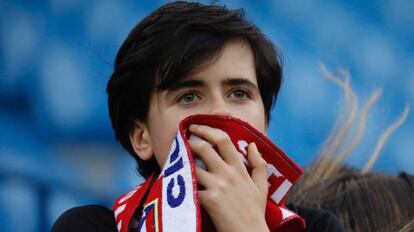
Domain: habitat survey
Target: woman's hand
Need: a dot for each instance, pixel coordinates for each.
(234, 200)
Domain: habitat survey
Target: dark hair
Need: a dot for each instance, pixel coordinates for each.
(168, 44)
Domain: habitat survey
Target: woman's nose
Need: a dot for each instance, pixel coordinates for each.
(219, 107)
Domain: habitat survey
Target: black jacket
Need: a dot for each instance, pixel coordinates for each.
(93, 218)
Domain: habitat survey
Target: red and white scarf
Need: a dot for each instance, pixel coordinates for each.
(171, 200)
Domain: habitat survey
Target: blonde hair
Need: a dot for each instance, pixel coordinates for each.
(327, 181)
(409, 227)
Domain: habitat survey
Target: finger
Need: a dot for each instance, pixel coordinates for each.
(207, 154)
(203, 196)
(204, 178)
(259, 169)
(222, 141)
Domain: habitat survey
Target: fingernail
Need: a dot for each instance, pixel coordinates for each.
(254, 145)
(193, 126)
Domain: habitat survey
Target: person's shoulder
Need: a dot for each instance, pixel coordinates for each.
(86, 218)
(318, 219)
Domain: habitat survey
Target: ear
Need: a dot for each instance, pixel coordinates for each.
(141, 140)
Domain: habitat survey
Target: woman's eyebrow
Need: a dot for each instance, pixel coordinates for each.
(186, 83)
(235, 81)
(229, 81)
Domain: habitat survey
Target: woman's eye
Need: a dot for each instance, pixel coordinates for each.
(187, 98)
(239, 94)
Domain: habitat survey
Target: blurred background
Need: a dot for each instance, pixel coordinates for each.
(57, 148)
